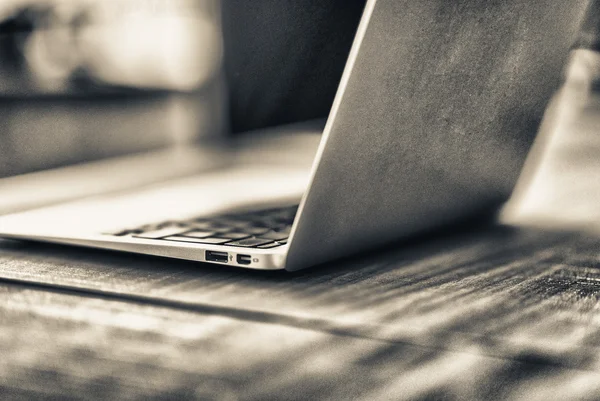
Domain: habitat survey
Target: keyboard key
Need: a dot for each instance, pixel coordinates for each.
(199, 234)
(161, 233)
(236, 235)
(209, 240)
(170, 223)
(250, 242)
(275, 236)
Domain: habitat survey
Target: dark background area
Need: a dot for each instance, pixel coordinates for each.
(284, 59)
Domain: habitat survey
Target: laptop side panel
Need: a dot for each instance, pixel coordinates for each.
(436, 111)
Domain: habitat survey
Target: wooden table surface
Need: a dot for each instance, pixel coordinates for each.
(490, 313)
(484, 312)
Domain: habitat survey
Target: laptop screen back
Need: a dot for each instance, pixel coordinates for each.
(437, 110)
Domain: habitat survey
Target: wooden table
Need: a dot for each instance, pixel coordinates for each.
(489, 313)
(481, 312)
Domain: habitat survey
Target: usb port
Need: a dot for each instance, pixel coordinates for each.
(213, 256)
(244, 259)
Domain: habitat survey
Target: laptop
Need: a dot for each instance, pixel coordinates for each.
(433, 118)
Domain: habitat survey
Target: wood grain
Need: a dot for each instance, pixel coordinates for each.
(503, 292)
(60, 345)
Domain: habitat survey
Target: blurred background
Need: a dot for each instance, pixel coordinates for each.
(82, 80)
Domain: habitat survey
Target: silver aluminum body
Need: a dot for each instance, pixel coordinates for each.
(436, 111)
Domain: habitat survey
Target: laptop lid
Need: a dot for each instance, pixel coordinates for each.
(437, 108)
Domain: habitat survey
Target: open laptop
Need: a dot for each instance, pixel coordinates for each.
(432, 121)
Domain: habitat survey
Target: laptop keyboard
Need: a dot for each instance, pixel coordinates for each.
(263, 229)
